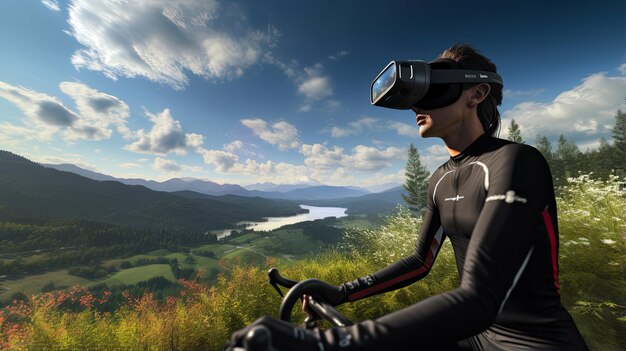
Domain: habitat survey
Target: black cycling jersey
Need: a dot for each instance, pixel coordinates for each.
(496, 203)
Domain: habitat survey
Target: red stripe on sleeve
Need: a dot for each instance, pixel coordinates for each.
(552, 236)
(377, 287)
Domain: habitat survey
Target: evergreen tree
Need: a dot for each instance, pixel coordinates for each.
(618, 159)
(416, 182)
(566, 160)
(543, 144)
(515, 134)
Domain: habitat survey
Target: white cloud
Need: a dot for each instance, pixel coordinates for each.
(234, 146)
(42, 109)
(355, 127)
(167, 166)
(316, 88)
(366, 158)
(338, 132)
(362, 158)
(51, 4)
(313, 85)
(622, 68)
(338, 55)
(583, 112)
(130, 165)
(163, 40)
(508, 93)
(222, 160)
(47, 115)
(166, 136)
(98, 110)
(434, 156)
(404, 129)
(282, 134)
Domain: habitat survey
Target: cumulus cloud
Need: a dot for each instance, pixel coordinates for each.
(355, 127)
(222, 160)
(362, 158)
(51, 4)
(47, 115)
(163, 40)
(584, 112)
(404, 129)
(166, 136)
(313, 85)
(315, 88)
(434, 156)
(282, 134)
(42, 109)
(622, 68)
(98, 110)
(167, 166)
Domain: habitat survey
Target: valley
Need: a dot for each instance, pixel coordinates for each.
(287, 244)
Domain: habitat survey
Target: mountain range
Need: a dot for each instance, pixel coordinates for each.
(29, 191)
(296, 192)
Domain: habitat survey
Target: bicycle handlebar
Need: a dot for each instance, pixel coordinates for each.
(322, 308)
(258, 338)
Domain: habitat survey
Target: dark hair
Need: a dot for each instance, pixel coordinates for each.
(470, 58)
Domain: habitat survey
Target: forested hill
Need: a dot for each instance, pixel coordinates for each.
(29, 191)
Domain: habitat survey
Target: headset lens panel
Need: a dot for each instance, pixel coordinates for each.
(384, 82)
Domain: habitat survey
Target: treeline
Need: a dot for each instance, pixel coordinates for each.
(323, 230)
(567, 160)
(62, 244)
(18, 237)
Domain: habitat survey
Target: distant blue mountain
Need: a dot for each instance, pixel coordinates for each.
(372, 204)
(323, 192)
(287, 192)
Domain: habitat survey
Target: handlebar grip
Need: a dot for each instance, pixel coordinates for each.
(258, 338)
(277, 278)
(329, 313)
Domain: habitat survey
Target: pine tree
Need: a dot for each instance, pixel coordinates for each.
(618, 161)
(416, 182)
(515, 134)
(566, 159)
(543, 144)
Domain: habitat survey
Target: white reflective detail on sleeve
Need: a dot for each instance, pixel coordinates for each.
(517, 276)
(436, 185)
(438, 237)
(509, 197)
(484, 166)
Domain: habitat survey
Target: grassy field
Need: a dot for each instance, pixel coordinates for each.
(358, 221)
(136, 274)
(287, 245)
(33, 283)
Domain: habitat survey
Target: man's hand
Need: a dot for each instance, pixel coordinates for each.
(284, 336)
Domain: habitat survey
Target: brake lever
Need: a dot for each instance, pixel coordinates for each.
(277, 280)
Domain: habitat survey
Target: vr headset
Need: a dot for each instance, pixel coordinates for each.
(405, 84)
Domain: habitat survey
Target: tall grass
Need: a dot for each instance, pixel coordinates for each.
(592, 225)
(592, 258)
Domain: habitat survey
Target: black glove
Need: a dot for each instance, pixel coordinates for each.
(334, 295)
(285, 336)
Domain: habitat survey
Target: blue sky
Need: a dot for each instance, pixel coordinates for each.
(255, 91)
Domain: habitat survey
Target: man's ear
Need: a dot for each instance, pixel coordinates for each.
(479, 93)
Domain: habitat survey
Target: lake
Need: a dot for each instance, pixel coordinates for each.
(277, 222)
